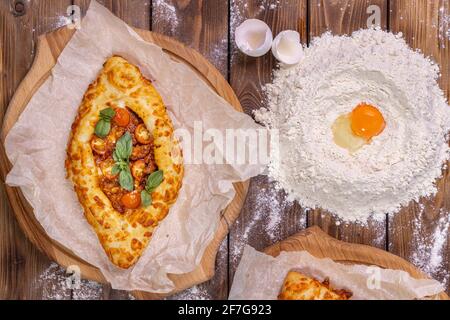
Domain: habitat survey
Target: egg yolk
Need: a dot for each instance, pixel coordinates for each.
(366, 121)
(354, 130)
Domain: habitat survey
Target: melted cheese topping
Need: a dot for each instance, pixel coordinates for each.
(123, 236)
(300, 287)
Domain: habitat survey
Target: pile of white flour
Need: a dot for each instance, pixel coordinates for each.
(335, 75)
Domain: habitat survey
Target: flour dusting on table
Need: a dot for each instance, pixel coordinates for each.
(429, 250)
(444, 25)
(54, 282)
(165, 15)
(239, 12)
(194, 293)
(336, 74)
(54, 279)
(268, 212)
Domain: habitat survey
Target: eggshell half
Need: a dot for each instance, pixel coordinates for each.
(287, 47)
(253, 37)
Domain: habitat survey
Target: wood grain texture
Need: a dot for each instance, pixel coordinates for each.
(199, 24)
(321, 245)
(344, 17)
(412, 230)
(266, 216)
(20, 261)
(134, 12)
(49, 47)
(203, 26)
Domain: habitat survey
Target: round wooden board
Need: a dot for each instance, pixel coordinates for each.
(48, 50)
(321, 245)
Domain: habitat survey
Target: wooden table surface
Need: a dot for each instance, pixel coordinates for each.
(208, 26)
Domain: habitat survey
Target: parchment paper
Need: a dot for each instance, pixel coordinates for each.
(260, 276)
(36, 147)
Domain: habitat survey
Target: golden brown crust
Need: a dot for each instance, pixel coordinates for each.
(297, 286)
(123, 236)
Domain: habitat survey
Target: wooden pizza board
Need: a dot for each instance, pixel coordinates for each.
(49, 47)
(321, 245)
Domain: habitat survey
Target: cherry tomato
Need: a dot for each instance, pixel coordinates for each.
(98, 145)
(138, 169)
(131, 200)
(115, 134)
(142, 134)
(122, 117)
(106, 167)
(140, 151)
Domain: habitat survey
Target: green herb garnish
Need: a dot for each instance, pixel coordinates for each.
(146, 198)
(121, 156)
(104, 124)
(153, 181)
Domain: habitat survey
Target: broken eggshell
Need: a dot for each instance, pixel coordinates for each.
(254, 37)
(287, 47)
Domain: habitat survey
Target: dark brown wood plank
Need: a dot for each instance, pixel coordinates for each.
(412, 232)
(266, 216)
(20, 262)
(134, 12)
(200, 24)
(344, 17)
(203, 26)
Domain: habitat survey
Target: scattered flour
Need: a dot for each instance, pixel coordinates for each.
(269, 5)
(269, 209)
(335, 75)
(194, 293)
(89, 290)
(237, 16)
(53, 282)
(165, 14)
(56, 22)
(218, 55)
(444, 25)
(270, 204)
(428, 253)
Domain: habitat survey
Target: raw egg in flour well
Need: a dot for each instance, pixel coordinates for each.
(357, 128)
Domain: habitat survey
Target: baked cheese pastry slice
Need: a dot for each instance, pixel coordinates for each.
(124, 161)
(297, 286)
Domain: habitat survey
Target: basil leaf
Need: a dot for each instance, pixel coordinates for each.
(123, 165)
(124, 147)
(119, 152)
(154, 180)
(102, 128)
(126, 179)
(107, 114)
(116, 157)
(129, 145)
(115, 169)
(146, 198)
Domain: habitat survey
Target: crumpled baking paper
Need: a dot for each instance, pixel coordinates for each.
(36, 146)
(261, 276)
